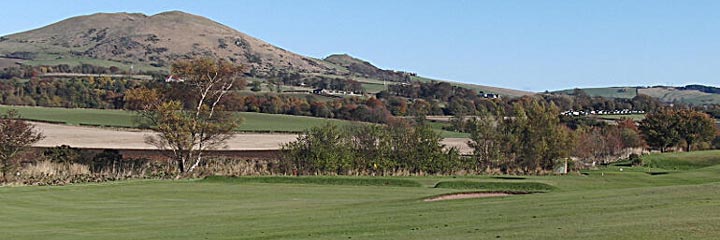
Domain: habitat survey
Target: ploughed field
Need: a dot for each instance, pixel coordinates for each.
(678, 198)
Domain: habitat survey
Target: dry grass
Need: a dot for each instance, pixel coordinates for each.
(51, 169)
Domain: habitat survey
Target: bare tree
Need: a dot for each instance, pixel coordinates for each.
(193, 122)
(16, 135)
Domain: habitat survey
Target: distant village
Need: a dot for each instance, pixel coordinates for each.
(601, 112)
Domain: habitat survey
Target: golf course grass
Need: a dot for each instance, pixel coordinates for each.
(605, 203)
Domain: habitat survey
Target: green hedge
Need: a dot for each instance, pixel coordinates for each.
(497, 186)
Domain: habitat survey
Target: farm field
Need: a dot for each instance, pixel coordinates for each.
(92, 137)
(252, 122)
(610, 92)
(634, 117)
(604, 204)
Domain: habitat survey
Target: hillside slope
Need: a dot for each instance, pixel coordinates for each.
(135, 41)
(664, 93)
(155, 40)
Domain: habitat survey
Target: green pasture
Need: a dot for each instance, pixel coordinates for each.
(634, 117)
(373, 87)
(438, 126)
(606, 203)
(252, 122)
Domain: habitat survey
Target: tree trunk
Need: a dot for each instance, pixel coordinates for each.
(181, 165)
(689, 146)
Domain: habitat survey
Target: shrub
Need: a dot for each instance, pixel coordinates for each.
(372, 149)
(635, 159)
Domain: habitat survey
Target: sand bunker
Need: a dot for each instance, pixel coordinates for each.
(469, 195)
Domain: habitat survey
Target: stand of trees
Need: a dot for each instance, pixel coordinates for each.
(672, 128)
(28, 72)
(602, 142)
(528, 139)
(317, 81)
(396, 148)
(102, 92)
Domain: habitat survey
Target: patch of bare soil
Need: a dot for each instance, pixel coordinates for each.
(459, 143)
(93, 137)
(468, 195)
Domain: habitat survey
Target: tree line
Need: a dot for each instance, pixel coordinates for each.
(29, 72)
(530, 138)
(523, 135)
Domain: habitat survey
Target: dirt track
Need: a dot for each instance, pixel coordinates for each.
(98, 138)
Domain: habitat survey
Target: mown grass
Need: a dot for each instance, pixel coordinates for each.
(497, 186)
(614, 205)
(614, 202)
(317, 180)
(682, 161)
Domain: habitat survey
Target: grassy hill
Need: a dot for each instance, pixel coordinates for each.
(670, 94)
(610, 92)
(603, 204)
(147, 42)
(665, 94)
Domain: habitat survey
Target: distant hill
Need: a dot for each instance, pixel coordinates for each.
(154, 42)
(366, 69)
(691, 94)
(147, 41)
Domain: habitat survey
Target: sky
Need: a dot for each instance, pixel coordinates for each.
(534, 45)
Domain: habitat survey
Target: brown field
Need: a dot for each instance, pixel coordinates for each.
(99, 138)
(105, 138)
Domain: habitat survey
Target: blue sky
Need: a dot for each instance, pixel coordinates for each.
(528, 45)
